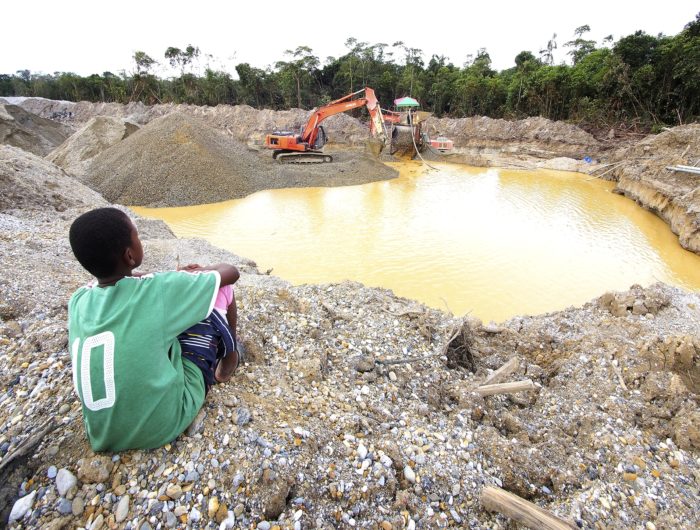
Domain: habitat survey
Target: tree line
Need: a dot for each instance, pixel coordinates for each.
(640, 80)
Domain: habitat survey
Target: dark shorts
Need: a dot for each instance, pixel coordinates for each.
(206, 342)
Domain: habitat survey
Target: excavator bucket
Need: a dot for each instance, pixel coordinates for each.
(375, 146)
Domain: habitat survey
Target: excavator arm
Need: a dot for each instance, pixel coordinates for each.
(345, 104)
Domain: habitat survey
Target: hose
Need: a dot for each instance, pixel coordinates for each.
(413, 137)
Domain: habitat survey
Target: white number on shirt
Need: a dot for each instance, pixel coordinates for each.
(106, 340)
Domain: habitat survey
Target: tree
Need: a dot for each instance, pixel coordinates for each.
(580, 47)
(547, 53)
(299, 69)
(143, 63)
(181, 58)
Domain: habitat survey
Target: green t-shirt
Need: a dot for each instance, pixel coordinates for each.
(136, 389)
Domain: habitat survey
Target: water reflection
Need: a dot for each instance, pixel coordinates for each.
(495, 243)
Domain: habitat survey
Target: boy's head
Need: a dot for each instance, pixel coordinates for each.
(106, 242)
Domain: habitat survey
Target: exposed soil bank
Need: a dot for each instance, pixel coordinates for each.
(642, 174)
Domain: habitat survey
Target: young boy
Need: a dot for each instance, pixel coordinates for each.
(138, 388)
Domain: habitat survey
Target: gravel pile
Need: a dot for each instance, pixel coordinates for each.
(180, 160)
(355, 408)
(75, 154)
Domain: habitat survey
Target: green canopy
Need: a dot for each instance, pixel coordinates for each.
(406, 102)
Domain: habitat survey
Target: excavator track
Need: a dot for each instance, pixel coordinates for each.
(302, 158)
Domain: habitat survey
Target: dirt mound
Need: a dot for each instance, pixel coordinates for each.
(74, 155)
(30, 182)
(28, 131)
(673, 195)
(180, 160)
(483, 141)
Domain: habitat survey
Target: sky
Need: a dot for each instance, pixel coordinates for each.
(87, 37)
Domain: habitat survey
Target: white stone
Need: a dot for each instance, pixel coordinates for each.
(97, 523)
(409, 474)
(22, 506)
(362, 452)
(122, 509)
(65, 480)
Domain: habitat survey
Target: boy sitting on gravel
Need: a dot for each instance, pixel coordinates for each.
(144, 347)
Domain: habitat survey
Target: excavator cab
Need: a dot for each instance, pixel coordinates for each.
(321, 138)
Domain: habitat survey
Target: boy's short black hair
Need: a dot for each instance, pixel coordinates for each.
(98, 239)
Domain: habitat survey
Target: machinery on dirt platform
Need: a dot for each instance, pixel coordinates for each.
(306, 146)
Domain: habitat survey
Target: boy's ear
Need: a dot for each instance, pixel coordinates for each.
(129, 257)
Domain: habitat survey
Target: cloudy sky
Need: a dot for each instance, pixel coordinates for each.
(89, 37)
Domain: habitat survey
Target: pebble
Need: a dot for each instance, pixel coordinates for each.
(263, 525)
(22, 506)
(122, 509)
(195, 515)
(78, 506)
(238, 479)
(65, 480)
(243, 416)
(94, 470)
(361, 452)
(174, 491)
(197, 424)
(170, 520)
(212, 506)
(51, 472)
(409, 474)
(65, 506)
(98, 522)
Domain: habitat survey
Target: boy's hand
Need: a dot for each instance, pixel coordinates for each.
(191, 267)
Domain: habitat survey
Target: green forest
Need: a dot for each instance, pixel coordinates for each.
(639, 81)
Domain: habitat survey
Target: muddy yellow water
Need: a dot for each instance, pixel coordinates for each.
(489, 242)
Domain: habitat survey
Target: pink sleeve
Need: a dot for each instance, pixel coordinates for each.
(224, 298)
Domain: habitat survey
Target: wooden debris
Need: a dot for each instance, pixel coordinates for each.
(505, 370)
(405, 360)
(505, 388)
(29, 445)
(457, 349)
(498, 500)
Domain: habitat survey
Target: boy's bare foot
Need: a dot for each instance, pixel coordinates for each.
(227, 366)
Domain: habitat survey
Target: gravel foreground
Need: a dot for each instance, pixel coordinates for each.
(355, 409)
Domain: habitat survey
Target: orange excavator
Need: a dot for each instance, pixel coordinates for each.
(306, 146)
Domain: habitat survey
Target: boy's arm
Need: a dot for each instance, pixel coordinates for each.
(229, 273)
